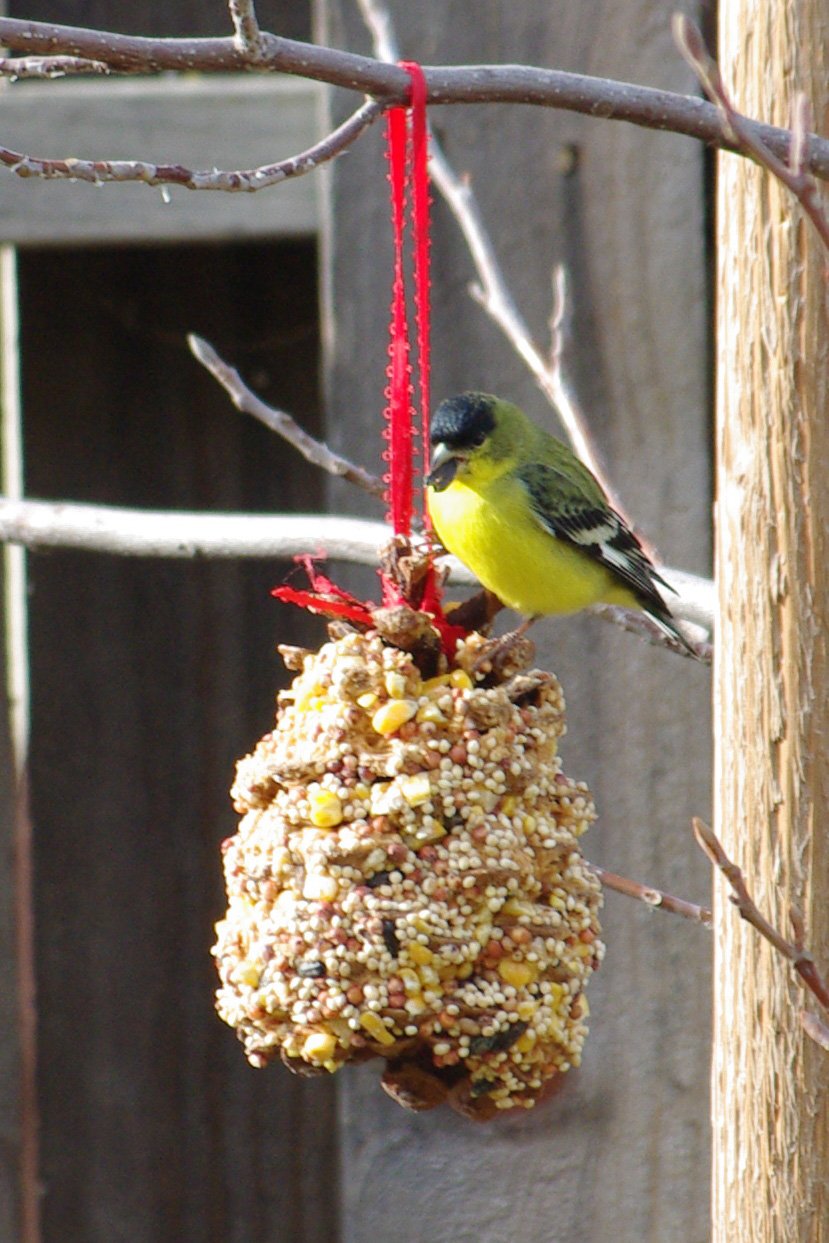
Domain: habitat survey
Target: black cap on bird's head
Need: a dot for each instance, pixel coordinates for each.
(463, 422)
(459, 425)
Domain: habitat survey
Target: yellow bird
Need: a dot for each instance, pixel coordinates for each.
(530, 520)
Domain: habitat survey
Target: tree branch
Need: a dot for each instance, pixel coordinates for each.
(180, 534)
(638, 623)
(518, 84)
(654, 898)
(48, 66)
(245, 400)
(794, 950)
(250, 180)
(815, 1029)
(248, 36)
(791, 171)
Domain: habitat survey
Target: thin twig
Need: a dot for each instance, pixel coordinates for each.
(791, 169)
(49, 66)
(244, 399)
(96, 172)
(794, 950)
(248, 36)
(524, 84)
(638, 623)
(654, 898)
(815, 1028)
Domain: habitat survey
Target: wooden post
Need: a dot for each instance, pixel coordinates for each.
(770, 1082)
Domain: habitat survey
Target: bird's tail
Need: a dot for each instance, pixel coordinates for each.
(668, 624)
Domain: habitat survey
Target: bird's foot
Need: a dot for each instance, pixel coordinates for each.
(508, 655)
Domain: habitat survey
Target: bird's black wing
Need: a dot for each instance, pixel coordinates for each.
(568, 511)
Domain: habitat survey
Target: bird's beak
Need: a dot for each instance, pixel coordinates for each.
(444, 468)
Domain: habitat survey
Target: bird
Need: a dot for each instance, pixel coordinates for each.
(530, 521)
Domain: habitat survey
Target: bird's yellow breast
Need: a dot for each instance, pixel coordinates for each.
(495, 534)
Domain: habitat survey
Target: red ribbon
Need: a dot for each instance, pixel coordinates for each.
(325, 597)
(408, 156)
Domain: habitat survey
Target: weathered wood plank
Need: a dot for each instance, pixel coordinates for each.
(12, 1031)
(148, 681)
(623, 1152)
(203, 123)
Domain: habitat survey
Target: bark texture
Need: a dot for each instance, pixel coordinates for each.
(771, 1164)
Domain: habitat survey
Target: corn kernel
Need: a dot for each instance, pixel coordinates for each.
(319, 1046)
(376, 1028)
(248, 973)
(518, 974)
(326, 810)
(435, 684)
(465, 970)
(424, 836)
(420, 954)
(305, 695)
(391, 715)
(411, 980)
(395, 684)
(430, 713)
(514, 906)
(319, 888)
(368, 700)
(461, 679)
(509, 804)
(524, 1043)
(416, 789)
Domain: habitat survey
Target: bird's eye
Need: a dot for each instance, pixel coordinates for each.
(478, 439)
